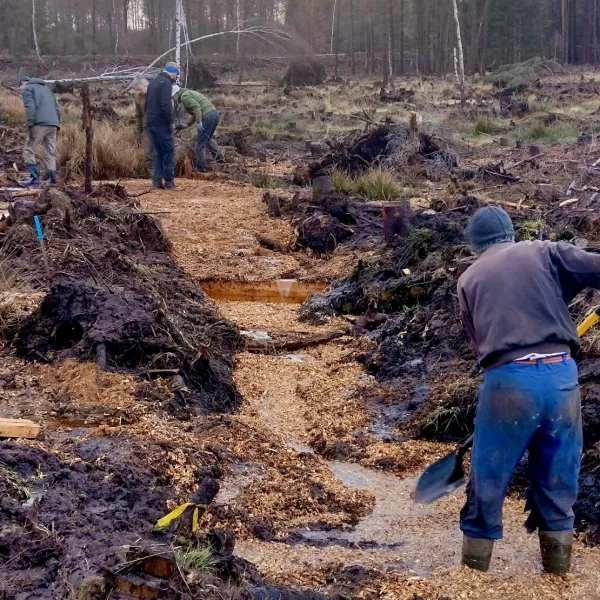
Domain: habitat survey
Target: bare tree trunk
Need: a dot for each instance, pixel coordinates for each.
(565, 30)
(86, 125)
(125, 24)
(178, 26)
(333, 23)
(94, 20)
(337, 35)
(482, 37)
(352, 37)
(35, 38)
(401, 64)
(595, 31)
(114, 12)
(391, 40)
(461, 56)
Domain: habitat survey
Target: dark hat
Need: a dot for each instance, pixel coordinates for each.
(23, 79)
(489, 226)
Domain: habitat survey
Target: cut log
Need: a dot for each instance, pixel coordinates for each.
(19, 428)
(308, 341)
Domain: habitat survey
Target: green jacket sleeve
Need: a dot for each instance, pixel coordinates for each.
(193, 108)
(29, 102)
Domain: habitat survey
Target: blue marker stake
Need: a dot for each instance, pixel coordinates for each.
(40, 234)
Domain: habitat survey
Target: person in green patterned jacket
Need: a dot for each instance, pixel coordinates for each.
(203, 112)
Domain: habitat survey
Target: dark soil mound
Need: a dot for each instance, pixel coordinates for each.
(56, 517)
(83, 526)
(118, 297)
(199, 75)
(303, 72)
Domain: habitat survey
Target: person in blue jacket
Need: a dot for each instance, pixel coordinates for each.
(43, 122)
(160, 119)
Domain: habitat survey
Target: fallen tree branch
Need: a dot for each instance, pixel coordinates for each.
(308, 341)
(525, 160)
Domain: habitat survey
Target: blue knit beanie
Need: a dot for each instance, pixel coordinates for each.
(490, 225)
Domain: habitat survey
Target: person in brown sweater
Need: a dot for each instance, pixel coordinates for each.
(515, 306)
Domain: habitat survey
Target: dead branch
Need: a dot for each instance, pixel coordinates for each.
(525, 160)
(270, 346)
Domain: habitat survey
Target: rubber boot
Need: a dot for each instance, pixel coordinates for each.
(477, 554)
(169, 185)
(34, 175)
(52, 176)
(556, 547)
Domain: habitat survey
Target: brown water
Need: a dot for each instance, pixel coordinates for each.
(286, 291)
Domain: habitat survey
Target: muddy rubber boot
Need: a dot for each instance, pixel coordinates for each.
(52, 176)
(477, 554)
(34, 175)
(556, 547)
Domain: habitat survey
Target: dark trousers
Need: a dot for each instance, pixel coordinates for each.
(164, 153)
(521, 407)
(205, 140)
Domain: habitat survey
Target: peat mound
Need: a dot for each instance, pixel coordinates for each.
(117, 296)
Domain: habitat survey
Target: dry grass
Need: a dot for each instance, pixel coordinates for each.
(378, 184)
(116, 153)
(11, 107)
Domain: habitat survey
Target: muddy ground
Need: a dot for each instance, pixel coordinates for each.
(316, 450)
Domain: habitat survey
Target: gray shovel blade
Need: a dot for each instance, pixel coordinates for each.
(440, 479)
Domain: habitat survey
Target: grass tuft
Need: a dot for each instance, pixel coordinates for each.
(378, 184)
(265, 181)
(342, 182)
(485, 125)
(552, 133)
(200, 560)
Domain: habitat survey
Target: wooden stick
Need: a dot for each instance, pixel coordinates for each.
(522, 162)
(26, 193)
(86, 125)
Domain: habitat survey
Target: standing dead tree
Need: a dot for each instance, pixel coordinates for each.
(35, 37)
(460, 58)
(86, 125)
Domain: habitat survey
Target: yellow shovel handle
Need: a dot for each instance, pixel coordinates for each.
(589, 321)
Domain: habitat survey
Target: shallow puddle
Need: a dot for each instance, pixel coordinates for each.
(393, 504)
(287, 291)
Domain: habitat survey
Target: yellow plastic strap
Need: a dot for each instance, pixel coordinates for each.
(195, 520)
(168, 519)
(589, 322)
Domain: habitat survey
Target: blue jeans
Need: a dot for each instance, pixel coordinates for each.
(164, 153)
(206, 132)
(523, 407)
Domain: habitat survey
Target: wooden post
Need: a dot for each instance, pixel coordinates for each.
(86, 125)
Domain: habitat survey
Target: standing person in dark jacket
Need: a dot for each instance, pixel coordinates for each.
(514, 302)
(160, 119)
(203, 112)
(43, 121)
